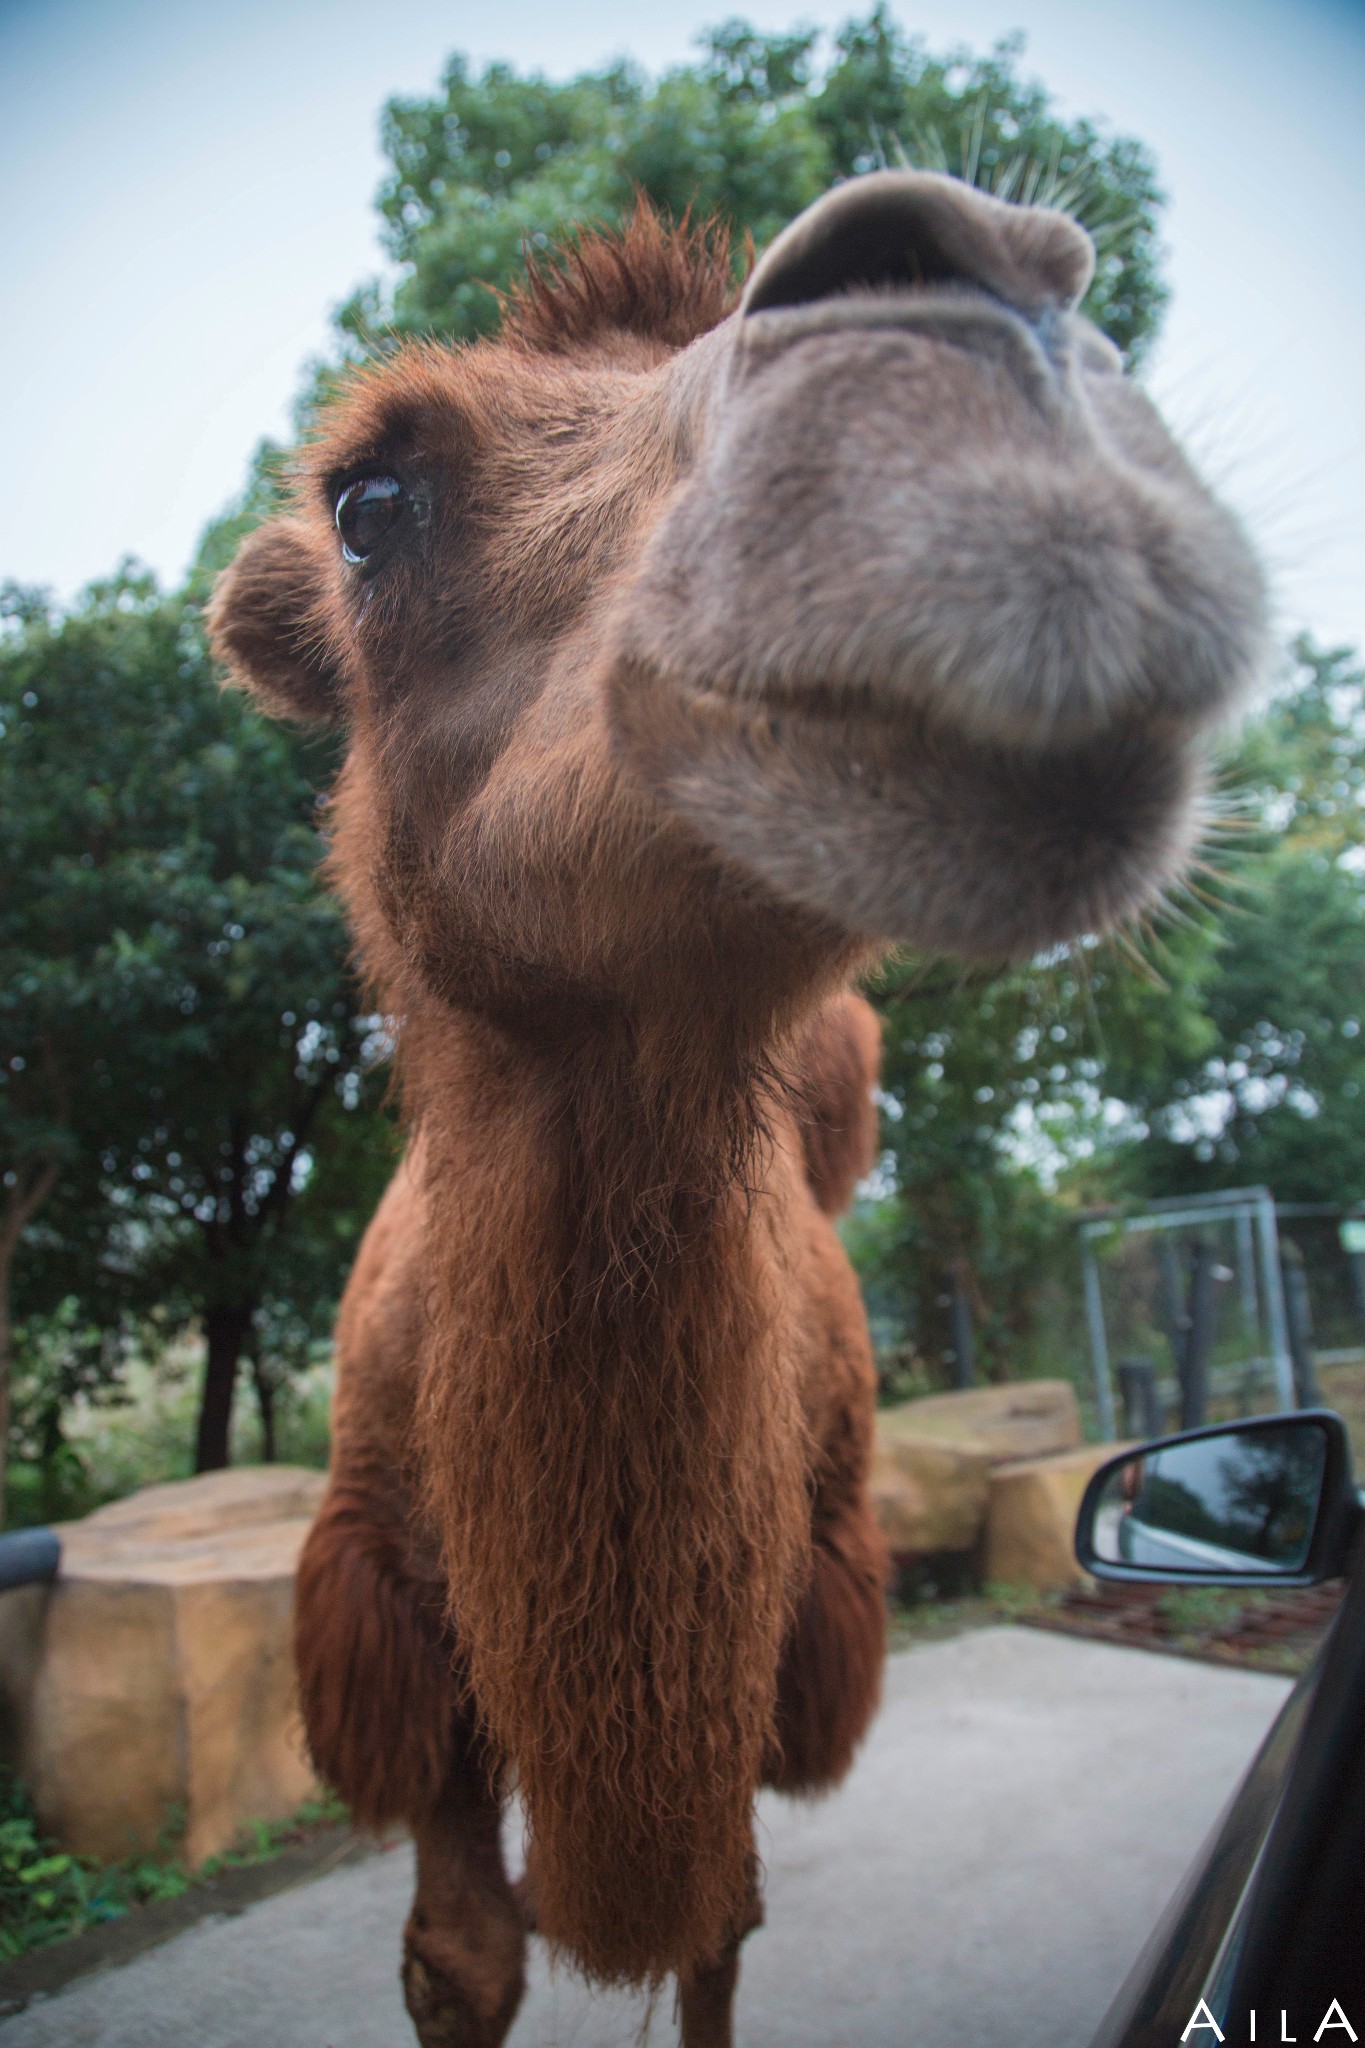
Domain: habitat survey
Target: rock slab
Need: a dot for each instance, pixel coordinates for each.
(152, 1685)
(934, 1457)
(1030, 1529)
(929, 1497)
(1023, 1419)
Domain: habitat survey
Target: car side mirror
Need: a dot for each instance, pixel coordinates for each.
(1271, 1500)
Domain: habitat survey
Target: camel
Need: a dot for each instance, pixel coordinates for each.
(694, 644)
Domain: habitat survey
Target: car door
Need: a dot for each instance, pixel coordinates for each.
(1264, 1941)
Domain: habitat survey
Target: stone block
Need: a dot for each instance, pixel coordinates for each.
(1031, 1519)
(23, 1611)
(155, 1677)
(1024, 1419)
(928, 1496)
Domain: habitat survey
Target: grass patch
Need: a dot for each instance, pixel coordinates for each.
(937, 1616)
(1194, 1613)
(142, 1434)
(47, 1894)
(1205, 1619)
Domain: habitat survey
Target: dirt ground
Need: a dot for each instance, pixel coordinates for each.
(1256, 1630)
(946, 1893)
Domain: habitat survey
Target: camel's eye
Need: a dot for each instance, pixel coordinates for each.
(367, 510)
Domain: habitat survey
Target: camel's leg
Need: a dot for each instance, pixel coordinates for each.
(827, 1692)
(384, 1723)
(706, 2001)
(465, 1941)
(830, 1679)
(706, 1993)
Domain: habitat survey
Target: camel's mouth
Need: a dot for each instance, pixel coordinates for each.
(900, 827)
(940, 672)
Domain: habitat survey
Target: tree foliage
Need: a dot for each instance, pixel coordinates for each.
(1228, 1054)
(992, 1086)
(190, 1125)
(498, 165)
(188, 1083)
(1276, 1096)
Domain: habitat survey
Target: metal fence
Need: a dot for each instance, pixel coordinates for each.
(1330, 1243)
(1204, 1306)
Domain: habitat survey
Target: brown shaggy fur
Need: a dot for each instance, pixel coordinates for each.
(374, 1662)
(831, 1669)
(665, 284)
(624, 1513)
(649, 752)
(837, 1110)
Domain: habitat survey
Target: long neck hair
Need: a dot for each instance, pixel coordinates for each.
(615, 1461)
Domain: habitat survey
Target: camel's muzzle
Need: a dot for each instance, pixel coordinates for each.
(926, 481)
(936, 561)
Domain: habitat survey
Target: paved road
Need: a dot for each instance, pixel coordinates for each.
(1022, 1810)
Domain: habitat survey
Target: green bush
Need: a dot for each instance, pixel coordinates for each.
(47, 1893)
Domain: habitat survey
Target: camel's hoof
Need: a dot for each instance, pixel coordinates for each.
(449, 2014)
(438, 2009)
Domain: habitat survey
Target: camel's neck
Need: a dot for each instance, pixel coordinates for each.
(616, 1463)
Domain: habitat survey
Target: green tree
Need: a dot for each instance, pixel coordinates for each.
(1230, 1057)
(1277, 1097)
(56, 1358)
(187, 1119)
(497, 166)
(992, 1086)
(189, 1113)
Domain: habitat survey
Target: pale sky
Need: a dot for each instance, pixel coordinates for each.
(187, 193)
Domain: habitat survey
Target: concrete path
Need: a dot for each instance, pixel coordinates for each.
(1022, 1811)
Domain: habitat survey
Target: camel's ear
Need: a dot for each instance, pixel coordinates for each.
(265, 623)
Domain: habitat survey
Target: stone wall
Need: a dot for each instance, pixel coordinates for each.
(993, 1475)
(152, 1685)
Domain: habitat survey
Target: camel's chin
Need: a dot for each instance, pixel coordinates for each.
(905, 831)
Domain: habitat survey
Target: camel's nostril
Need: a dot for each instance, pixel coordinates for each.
(908, 229)
(875, 245)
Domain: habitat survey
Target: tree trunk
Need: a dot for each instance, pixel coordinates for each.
(265, 1401)
(960, 1323)
(6, 1261)
(226, 1326)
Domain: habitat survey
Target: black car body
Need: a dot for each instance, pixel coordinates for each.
(1264, 1942)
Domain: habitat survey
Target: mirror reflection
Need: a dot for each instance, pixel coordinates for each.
(1234, 1502)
